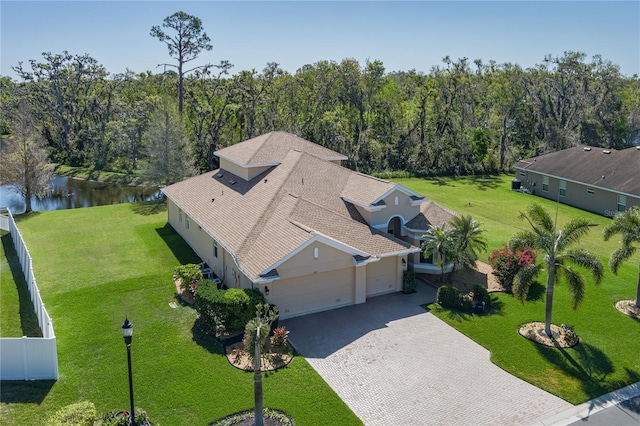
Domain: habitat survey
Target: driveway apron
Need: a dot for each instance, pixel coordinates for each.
(393, 363)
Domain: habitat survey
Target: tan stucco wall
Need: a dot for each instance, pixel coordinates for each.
(303, 262)
(234, 168)
(602, 202)
(404, 210)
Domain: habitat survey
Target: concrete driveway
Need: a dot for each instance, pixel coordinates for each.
(393, 363)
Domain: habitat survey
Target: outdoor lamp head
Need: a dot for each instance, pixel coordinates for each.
(127, 331)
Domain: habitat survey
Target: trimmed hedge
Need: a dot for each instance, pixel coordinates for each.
(408, 282)
(233, 307)
(188, 274)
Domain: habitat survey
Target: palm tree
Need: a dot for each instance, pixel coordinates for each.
(440, 243)
(627, 224)
(257, 331)
(559, 259)
(467, 235)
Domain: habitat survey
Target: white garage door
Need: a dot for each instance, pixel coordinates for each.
(381, 276)
(313, 293)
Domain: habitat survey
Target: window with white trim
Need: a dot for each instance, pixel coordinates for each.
(622, 203)
(562, 187)
(396, 200)
(315, 253)
(186, 221)
(180, 216)
(545, 183)
(215, 249)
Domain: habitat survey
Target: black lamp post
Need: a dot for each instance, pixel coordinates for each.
(127, 333)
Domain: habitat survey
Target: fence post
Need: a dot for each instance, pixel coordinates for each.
(25, 353)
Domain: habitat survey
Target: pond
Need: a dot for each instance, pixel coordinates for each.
(69, 193)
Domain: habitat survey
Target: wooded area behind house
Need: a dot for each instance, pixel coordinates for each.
(462, 117)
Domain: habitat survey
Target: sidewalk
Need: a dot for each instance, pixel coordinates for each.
(620, 407)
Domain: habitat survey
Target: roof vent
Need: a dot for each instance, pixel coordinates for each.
(587, 148)
(232, 182)
(606, 151)
(219, 175)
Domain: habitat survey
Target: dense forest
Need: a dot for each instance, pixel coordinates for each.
(462, 117)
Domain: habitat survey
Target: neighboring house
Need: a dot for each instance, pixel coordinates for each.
(594, 179)
(282, 215)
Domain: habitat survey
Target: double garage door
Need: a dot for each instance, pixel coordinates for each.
(313, 293)
(329, 290)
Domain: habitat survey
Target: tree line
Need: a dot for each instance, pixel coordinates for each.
(462, 117)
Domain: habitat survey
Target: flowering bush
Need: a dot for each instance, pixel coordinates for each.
(507, 263)
(279, 338)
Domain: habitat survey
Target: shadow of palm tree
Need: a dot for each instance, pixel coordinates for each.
(586, 363)
(28, 318)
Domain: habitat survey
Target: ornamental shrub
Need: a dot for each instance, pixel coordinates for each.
(506, 264)
(188, 274)
(279, 338)
(408, 282)
(449, 297)
(480, 294)
(79, 414)
(233, 307)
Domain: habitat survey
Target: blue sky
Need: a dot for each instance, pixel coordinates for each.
(403, 35)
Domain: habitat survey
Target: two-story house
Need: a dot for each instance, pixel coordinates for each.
(282, 215)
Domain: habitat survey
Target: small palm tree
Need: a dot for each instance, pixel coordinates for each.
(440, 243)
(559, 259)
(627, 224)
(467, 235)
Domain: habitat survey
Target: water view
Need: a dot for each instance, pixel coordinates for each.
(69, 193)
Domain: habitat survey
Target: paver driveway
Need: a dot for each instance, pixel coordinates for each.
(393, 363)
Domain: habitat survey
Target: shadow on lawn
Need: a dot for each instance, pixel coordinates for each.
(204, 339)
(181, 250)
(28, 319)
(586, 363)
(486, 182)
(147, 208)
(34, 391)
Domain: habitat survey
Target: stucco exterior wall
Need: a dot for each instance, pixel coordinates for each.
(403, 209)
(304, 262)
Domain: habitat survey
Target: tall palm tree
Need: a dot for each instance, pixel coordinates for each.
(627, 224)
(440, 243)
(559, 259)
(467, 235)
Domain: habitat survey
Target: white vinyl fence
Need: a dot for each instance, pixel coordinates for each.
(28, 358)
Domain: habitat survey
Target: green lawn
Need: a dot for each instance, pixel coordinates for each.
(607, 357)
(97, 265)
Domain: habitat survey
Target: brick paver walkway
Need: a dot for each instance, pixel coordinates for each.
(393, 363)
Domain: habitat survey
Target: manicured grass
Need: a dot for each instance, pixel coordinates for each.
(607, 357)
(17, 316)
(95, 266)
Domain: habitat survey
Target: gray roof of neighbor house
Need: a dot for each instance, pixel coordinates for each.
(617, 171)
(267, 218)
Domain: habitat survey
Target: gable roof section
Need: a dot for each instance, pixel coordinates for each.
(271, 148)
(615, 171)
(265, 220)
(431, 214)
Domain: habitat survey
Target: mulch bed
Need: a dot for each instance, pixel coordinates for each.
(629, 308)
(534, 331)
(271, 417)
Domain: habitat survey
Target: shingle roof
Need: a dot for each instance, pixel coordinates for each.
(430, 214)
(616, 170)
(265, 219)
(271, 148)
